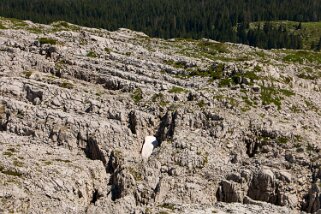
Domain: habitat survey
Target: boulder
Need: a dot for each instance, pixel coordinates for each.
(263, 185)
(148, 147)
(230, 191)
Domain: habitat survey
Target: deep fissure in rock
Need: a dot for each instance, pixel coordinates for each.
(93, 151)
(167, 126)
(95, 197)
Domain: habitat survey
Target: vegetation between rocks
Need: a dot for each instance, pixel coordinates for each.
(45, 40)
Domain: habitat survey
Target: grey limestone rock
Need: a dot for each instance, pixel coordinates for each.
(236, 132)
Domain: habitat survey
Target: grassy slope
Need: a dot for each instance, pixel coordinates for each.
(311, 31)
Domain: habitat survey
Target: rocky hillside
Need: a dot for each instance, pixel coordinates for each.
(238, 128)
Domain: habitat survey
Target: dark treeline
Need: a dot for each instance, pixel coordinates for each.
(268, 37)
(223, 20)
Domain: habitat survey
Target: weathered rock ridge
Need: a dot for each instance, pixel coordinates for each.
(238, 128)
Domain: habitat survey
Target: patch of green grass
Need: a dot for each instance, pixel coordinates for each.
(36, 30)
(135, 173)
(8, 154)
(286, 80)
(9, 172)
(62, 25)
(175, 64)
(219, 70)
(269, 95)
(17, 23)
(232, 59)
(2, 111)
(310, 147)
(59, 65)
(83, 41)
(18, 163)
(282, 140)
(50, 41)
(207, 73)
(92, 54)
(67, 85)
(250, 76)
(295, 109)
(248, 101)
(98, 94)
(297, 145)
(162, 212)
(205, 158)
(215, 72)
(264, 139)
(12, 150)
(218, 97)
(306, 76)
(310, 105)
(232, 101)
(213, 48)
(245, 108)
(226, 82)
(257, 68)
(176, 90)
(2, 27)
(51, 77)
(201, 104)
(205, 49)
(47, 163)
(234, 79)
(168, 206)
(298, 138)
(163, 103)
(27, 74)
(227, 100)
(159, 97)
(309, 74)
(107, 50)
(118, 154)
(61, 160)
(137, 95)
(303, 57)
(261, 54)
(287, 92)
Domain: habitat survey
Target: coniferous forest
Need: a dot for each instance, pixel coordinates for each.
(222, 20)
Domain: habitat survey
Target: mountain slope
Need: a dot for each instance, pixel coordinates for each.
(238, 127)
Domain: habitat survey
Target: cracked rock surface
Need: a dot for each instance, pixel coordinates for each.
(238, 128)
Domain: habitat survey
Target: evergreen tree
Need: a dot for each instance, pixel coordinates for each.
(223, 20)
